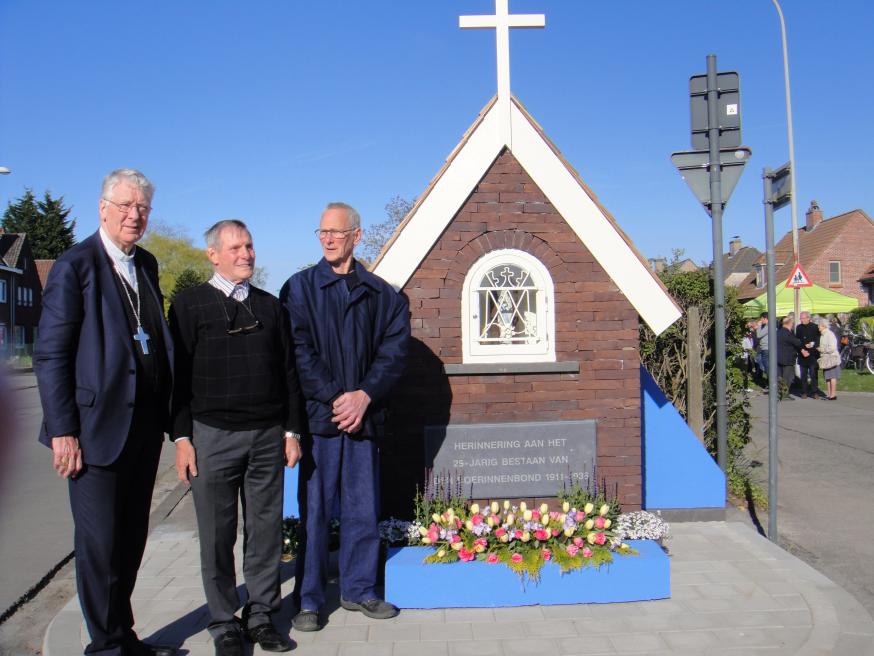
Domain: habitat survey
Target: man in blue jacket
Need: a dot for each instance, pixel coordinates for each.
(351, 332)
(103, 363)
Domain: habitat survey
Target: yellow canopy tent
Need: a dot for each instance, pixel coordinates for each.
(815, 299)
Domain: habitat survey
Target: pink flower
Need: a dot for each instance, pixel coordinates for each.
(500, 532)
(457, 523)
(433, 533)
(599, 522)
(572, 549)
(480, 542)
(518, 533)
(555, 532)
(535, 515)
(541, 534)
(477, 519)
(600, 538)
(516, 558)
(465, 555)
(587, 553)
(492, 558)
(547, 554)
(554, 514)
(496, 519)
(456, 538)
(578, 541)
(580, 516)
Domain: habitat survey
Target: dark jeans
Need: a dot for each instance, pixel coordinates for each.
(809, 378)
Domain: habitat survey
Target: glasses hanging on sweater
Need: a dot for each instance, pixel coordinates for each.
(244, 330)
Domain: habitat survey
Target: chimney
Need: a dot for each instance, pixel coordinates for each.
(658, 264)
(813, 216)
(734, 246)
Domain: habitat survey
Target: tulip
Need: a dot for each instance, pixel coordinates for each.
(505, 537)
(600, 538)
(523, 506)
(607, 523)
(511, 518)
(426, 540)
(578, 541)
(469, 525)
(456, 539)
(423, 531)
(479, 548)
(555, 532)
(590, 538)
(599, 522)
(492, 558)
(474, 508)
(526, 515)
(456, 546)
(565, 506)
(495, 507)
(588, 508)
(544, 519)
(536, 515)
(436, 518)
(544, 508)
(546, 554)
(604, 510)
(506, 505)
(476, 520)
(441, 553)
(526, 536)
(500, 531)
(589, 524)
(568, 532)
(491, 522)
(587, 553)
(580, 516)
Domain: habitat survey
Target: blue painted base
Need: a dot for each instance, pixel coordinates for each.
(411, 584)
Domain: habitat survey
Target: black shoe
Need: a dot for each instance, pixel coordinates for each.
(229, 644)
(268, 638)
(306, 620)
(374, 608)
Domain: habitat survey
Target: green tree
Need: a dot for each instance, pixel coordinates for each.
(187, 279)
(46, 223)
(376, 236)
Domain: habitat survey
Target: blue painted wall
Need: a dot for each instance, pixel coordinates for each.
(678, 470)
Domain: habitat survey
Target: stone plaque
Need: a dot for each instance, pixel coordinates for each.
(514, 460)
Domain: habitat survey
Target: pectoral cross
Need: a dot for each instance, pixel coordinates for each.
(142, 337)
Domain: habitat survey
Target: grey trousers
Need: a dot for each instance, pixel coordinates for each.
(247, 465)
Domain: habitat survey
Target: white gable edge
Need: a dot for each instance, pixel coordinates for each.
(441, 205)
(592, 227)
(590, 224)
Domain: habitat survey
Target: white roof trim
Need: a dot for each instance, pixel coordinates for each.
(422, 230)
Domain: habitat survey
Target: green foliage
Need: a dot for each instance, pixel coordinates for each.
(46, 223)
(857, 315)
(377, 235)
(175, 253)
(187, 279)
(577, 496)
(442, 492)
(666, 358)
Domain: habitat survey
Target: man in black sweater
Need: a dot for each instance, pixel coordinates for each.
(236, 420)
(808, 333)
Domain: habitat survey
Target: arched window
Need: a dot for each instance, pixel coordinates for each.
(507, 311)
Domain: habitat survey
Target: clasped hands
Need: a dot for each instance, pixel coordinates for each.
(349, 409)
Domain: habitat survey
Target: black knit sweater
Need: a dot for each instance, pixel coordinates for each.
(241, 381)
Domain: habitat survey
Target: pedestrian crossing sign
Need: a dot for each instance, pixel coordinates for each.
(798, 278)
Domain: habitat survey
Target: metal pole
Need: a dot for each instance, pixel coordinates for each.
(796, 251)
(718, 282)
(767, 175)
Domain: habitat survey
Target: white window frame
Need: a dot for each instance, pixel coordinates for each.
(840, 277)
(3, 292)
(540, 350)
(760, 276)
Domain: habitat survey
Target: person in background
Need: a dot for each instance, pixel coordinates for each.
(236, 421)
(788, 347)
(103, 363)
(829, 358)
(808, 333)
(762, 340)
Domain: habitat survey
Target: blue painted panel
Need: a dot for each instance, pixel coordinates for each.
(411, 584)
(678, 470)
(289, 497)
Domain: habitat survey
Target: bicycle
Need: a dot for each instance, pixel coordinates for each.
(857, 351)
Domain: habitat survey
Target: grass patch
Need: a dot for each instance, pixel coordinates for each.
(852, 380)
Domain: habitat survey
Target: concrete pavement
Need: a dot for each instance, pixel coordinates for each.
(733, 592)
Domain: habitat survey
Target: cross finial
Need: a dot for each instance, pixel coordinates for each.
(501, 22)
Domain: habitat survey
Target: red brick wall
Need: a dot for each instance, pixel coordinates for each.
(595, 325)
(854, 249)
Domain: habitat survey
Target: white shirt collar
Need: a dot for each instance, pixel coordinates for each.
(227, 287)
(122, 262)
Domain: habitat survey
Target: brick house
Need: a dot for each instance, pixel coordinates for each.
(20, 295)
(525, 299)
(836, 253)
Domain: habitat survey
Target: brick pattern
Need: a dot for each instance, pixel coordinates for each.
(595, 325)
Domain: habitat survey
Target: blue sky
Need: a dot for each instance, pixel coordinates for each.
(266, 110)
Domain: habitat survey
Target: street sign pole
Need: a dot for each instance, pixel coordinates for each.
(718, 281)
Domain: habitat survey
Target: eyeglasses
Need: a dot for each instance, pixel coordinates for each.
(245, 330)
(334, 234)
(127, 207)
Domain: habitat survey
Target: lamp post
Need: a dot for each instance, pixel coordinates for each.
(793, 201)
(4, 171)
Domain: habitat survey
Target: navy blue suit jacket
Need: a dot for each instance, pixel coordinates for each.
(84, 360)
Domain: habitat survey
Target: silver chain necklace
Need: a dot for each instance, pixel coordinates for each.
(140, 336)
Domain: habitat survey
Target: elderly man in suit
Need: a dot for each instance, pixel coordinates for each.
(103, 363)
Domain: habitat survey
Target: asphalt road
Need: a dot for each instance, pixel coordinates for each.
(825, 509)
(36, 528)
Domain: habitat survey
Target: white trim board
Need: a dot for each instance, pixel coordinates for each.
(595, 230)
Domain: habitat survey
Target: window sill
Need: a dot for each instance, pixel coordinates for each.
(498, 368)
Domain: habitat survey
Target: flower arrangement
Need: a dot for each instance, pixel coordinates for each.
(642, 525)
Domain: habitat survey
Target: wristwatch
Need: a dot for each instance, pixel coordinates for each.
(292, 435)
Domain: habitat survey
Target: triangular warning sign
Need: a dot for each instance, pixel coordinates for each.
(798, 278)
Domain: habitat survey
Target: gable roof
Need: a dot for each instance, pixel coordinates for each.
(741, 262)
(561, 184)
(42, 269)
(10, 249)
(811, 244)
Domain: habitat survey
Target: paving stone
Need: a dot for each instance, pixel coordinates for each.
(550, 628)
(394, 632)
(366, 649)
(528, 646)
(341, 634)
(415, 616)
(446, 632)
(500, 630)
(692, 640)
(518, 614)
(422, 649)
(590, 644)
(637, 642)
(475, 648)
(469, 615)
(575, 612)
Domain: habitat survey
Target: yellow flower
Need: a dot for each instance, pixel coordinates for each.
(479, 548)
(526, 536)
(490, 521)
(526, 515)
(474, 508)
(607, 523)
(544, 508)
(468, 525)
(436, 518)
(426, 540)
(457, 545)
(506, 505)
(588, 508)
(511, 518)
(565, 506)
(589, 524)
(568, 532)
(590, 538)
(522, 506)
(604, 510)
(544, 519)
(505, 537)
(495, 507)
(441, 553)
(562, 518)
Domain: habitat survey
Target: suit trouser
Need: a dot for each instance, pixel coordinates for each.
(809, 377)
(346, 467)
(247, 465)
(787, 373)
(111, 515)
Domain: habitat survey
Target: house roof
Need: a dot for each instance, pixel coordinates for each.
(740, 262)
(868, 276)
(811, 245)
(10, 248)
(491, 132)
(42, 269)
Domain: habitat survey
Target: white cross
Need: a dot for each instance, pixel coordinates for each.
(501, 22)
(143, 338)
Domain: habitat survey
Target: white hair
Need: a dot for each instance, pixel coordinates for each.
(352, 215)
(213, 236)
(131, 176)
